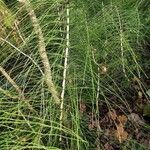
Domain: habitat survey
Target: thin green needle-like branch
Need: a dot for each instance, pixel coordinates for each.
(8, 94)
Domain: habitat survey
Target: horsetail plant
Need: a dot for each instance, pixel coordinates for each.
(42, 51)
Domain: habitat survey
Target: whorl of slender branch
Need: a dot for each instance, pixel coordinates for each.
(42, 50)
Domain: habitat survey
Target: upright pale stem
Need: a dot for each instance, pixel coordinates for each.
(121, 43)
(65, 69)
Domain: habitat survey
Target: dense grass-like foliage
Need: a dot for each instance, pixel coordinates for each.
(108, 42)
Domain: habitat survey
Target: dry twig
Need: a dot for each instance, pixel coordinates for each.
(12, 82)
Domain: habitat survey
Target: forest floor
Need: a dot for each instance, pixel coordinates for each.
(115, 126)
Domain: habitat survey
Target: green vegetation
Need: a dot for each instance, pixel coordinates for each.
(74, 75)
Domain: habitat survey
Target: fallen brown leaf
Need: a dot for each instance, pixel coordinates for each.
(120, 133)
(122, 119)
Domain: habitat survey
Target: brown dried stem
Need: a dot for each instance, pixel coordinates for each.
(42, 51)
(12, 82)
